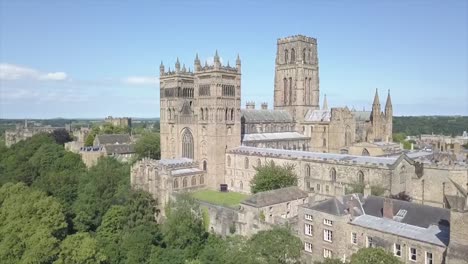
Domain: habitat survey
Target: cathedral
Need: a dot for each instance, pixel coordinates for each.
(201, 115)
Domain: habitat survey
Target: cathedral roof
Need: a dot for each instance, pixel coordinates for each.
(113, 139)
(318, 115)
(273, 136)
(324, 157)
(362, 115)
(256, 116)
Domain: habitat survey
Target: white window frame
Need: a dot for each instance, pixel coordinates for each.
(369, 241)
(308, 229)
(411, 254)
(308, 247)
(308, 217)
(427, 259)
(327, 222)
(328, 235)
(395, 250)
(353, 238)
(327, 253)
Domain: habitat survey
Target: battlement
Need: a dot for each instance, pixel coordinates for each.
(297, 38)
(198, 68)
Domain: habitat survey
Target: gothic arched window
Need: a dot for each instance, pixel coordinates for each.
(403, 174)
(293, 56)
(304, 55)
(184, 182)
(333, 175)
(286, 56)
(187, 144)
(202, 179)
(206, 114)
(176, 184)
(229, 161)
(246, 163)
(202, 114)
(307, 170)
(194, 181)
(285, 90)
(361, 177)
(365, 152)
(232, 114)
(290, 91)
(205, 165)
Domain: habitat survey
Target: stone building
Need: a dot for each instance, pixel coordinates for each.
(118, 146)
(119, 121)
(165, 177)
(23, 132)
(414, 233)
(325, 174)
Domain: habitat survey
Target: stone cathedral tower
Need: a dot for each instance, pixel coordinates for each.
(200, 114)
(296, 76)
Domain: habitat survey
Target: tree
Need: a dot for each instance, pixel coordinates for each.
(31, 225)
(80, 248)
(148, 146)
(61, 136)
(183, 227)
(329, 261)
(372, 256)
(278, 245)
(271, 176)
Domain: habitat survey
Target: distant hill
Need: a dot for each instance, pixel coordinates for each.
(417, 125)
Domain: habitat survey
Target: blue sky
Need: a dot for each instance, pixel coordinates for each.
(99, 58)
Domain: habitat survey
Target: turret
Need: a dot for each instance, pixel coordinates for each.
(325, 103)
(217, 62)
(177, 65)
(161, 69)
(376, 105)
(197, 63)
(238, 63)
(388, 118)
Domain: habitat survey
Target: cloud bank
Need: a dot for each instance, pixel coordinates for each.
(15, 72)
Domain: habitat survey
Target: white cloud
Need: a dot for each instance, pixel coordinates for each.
(140, 80)
(15, 72)
(54, 76)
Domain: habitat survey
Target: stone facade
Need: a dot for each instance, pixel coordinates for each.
(23, 132)
(119, 121)
(339, 227)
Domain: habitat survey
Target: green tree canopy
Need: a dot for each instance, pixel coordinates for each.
(278, 245)
(80, 248)
(374, 255)
(148, 145)
(31, 224)
(271, 176)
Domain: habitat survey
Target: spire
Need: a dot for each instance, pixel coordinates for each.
(216, 56)
(177, 64)
(196, 57)
(183, 68)
(325, 103)
(388, 104)
(238, 61)
(376, 98)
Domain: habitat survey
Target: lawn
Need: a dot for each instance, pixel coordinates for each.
(230, 199)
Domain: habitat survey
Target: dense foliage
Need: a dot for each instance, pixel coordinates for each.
(148, 145)
(417, 125)
(271, 176)
(54, 210)
(374, 255)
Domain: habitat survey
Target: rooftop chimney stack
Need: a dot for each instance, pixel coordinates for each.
(388, 208)
(265, 106)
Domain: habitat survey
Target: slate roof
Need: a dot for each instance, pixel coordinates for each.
(120, 149)
(362, 115)
(318, 116)
(113, 139)
(265, 116)
(274, 136)
(283, 195)
(421, 222)
(186, 171)
(382, 161)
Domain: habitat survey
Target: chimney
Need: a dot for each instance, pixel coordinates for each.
(367, 190)
(264, 106)
(388, 208)
(250, 105)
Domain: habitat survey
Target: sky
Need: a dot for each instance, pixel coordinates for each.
(91, 59)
